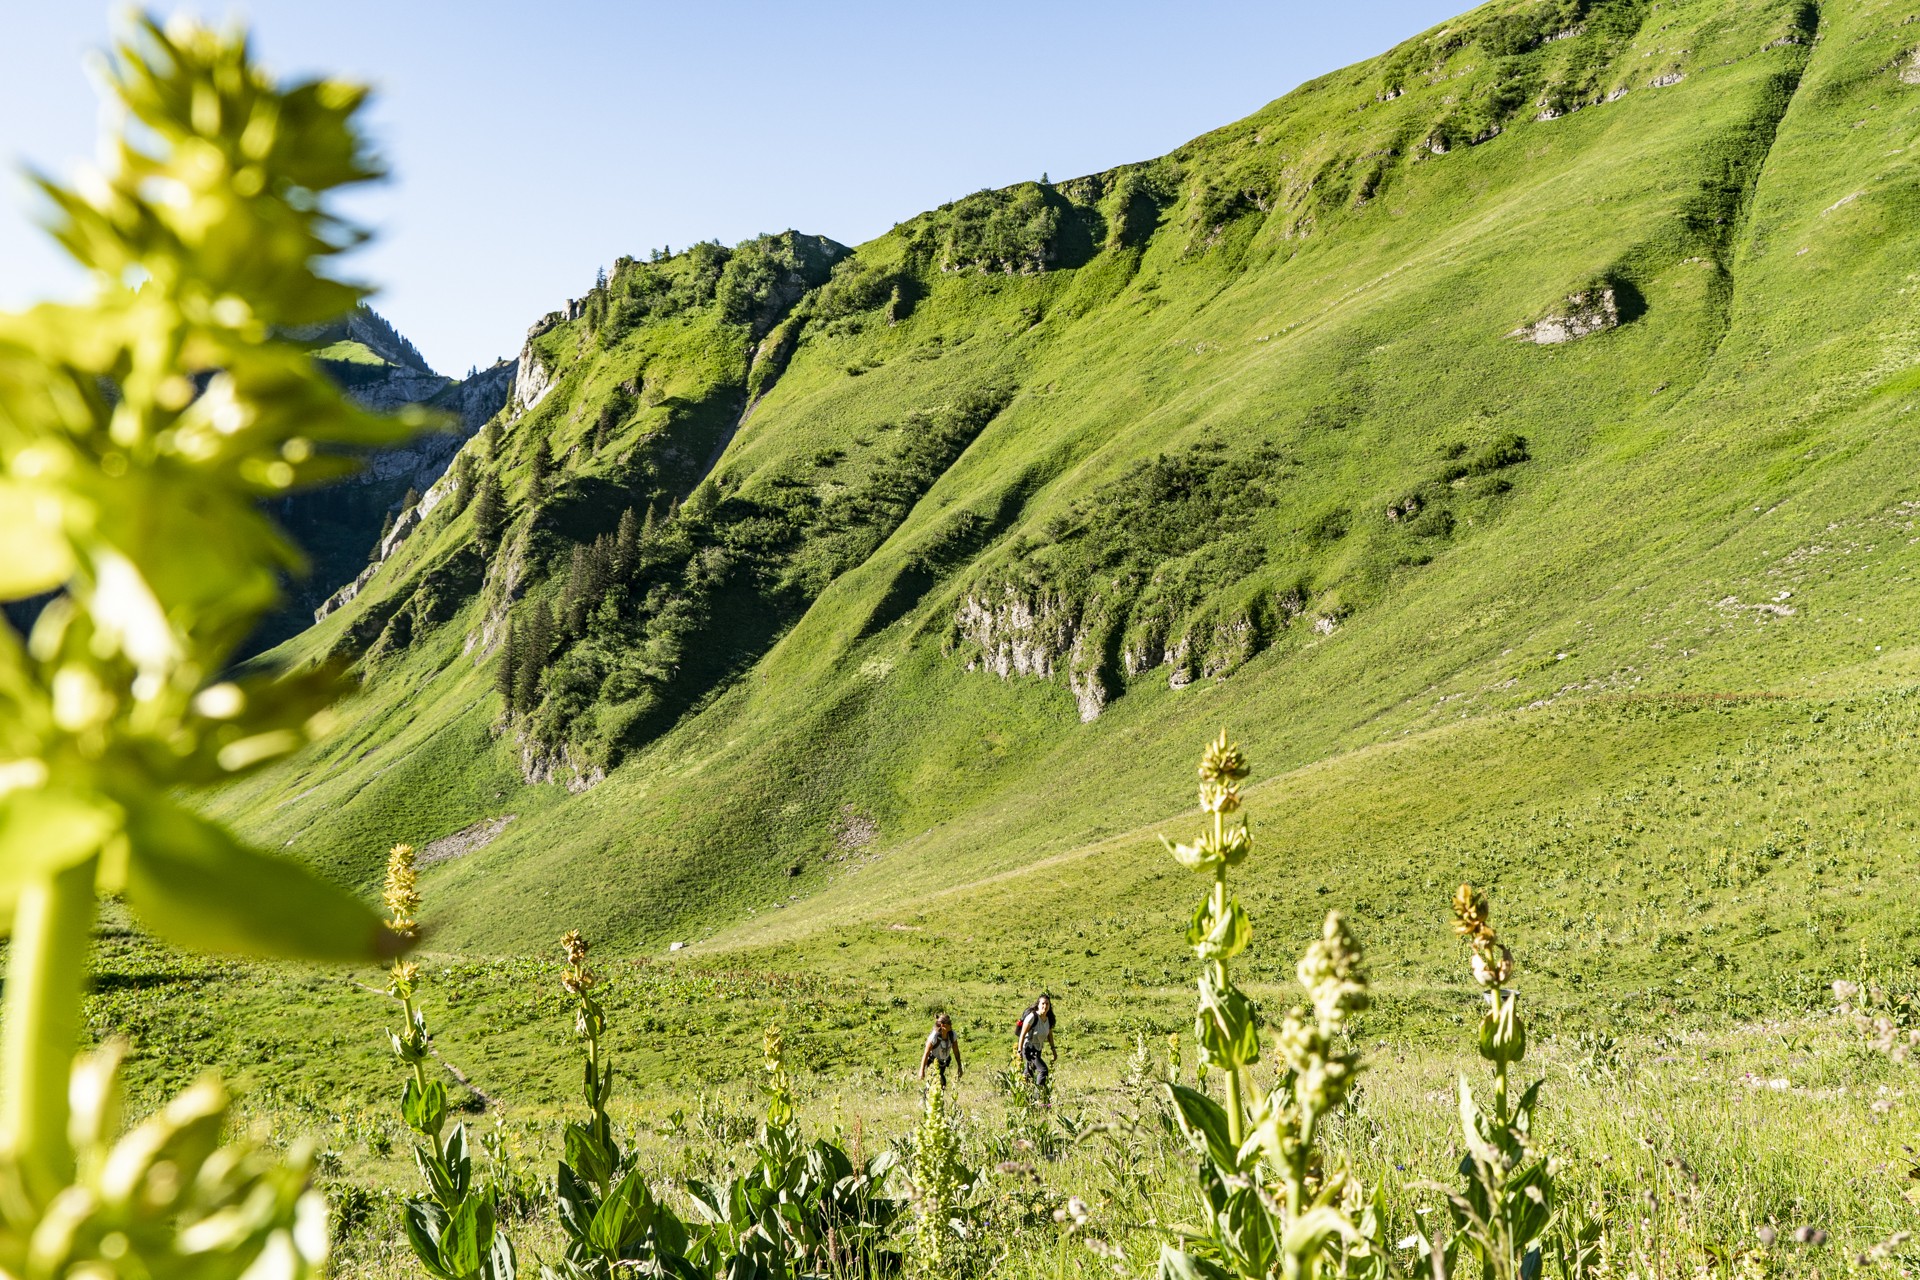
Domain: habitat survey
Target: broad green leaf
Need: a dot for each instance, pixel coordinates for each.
(199, 888)
(467, 1238)
(624, 1217)
(424, 1110)
(1204, 1122)
(504, 1264)
(1219, 936)
(35, 554)
(43, 831)
(1175, 1264)
(586, 1155)
(425, 1223)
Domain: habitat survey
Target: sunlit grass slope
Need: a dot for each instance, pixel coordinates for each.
(1258, 449)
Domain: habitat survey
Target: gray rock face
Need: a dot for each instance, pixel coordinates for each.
(1019, 636)
(422, 464)
(531, 379)
(1590, 311)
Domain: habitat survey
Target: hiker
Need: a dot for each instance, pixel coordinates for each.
(942, 1046)
(1036, 1033)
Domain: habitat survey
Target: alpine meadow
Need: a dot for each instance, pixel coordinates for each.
(1506, 439)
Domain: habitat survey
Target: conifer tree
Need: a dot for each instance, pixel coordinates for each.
(626, 549)
(536, 646)
(386, 527)
(575, 599)
(489, 511)
(646, 529)
(505, 676)
(540, 478)
(411, 500)
(462, 493)
(490, 437)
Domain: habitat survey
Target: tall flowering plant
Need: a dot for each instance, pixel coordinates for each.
(1270, 1206)
(1508, 1203)
(140, 430)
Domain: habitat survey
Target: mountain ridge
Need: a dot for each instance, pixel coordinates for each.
(1241, 433)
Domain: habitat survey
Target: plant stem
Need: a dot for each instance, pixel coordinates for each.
(48, 964)
(1236, 1107)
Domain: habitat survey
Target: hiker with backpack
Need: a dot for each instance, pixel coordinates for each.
(942, 1046)
(1035, 1034)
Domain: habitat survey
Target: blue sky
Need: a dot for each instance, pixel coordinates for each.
(531, 143)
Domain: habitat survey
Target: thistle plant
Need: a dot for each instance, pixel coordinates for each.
(451, 1229)
(1503, 1213)
(1270, 1206)
(140, 430)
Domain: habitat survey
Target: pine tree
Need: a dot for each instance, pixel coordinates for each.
(646, 529)
(575, 600)
(540, 477)
(462, 493)
(489, 511)
(490, 438)
(603, 426)
(411, 500)
(599, 568)
(626, 548)
(505, 681)
(535, 648)
(386, 527)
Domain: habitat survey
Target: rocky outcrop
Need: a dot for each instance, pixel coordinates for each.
(531, 382)
(424, 464)
(344, 596)
(1013, 634)
(557, 765)
(1592, 310)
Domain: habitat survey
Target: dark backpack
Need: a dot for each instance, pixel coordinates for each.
(1030, 1011)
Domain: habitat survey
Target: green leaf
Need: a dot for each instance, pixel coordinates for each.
(1225, 1025)
(459, 1158)
(624, 1217)
(586, 1155)
(503, 1264)
(467, 1238)
(425, 1224)
(1176, 1264)
(199, 888)
(1222, 936)
(1204, 1122)
(43, 831)
(424, 1110)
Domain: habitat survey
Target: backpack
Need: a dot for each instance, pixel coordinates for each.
(1030, 1011)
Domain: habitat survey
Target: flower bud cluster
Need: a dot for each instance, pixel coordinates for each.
(1491, 962)
(402, 892)
(576, 978)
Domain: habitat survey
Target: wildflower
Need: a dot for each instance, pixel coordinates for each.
(1334, 972)
(576, 977)
(1492, 962)
(402, 893)
(1222, 762)
(773, 1047)
(402, 978)
(1470, 914)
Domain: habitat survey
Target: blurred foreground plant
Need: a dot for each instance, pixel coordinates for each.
(1271, 1206)
(139, 431)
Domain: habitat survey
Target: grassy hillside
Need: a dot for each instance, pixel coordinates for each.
(884, 595)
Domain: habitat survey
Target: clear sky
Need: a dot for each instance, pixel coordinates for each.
(532, 143)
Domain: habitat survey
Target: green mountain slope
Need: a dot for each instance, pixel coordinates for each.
(1550, 365)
